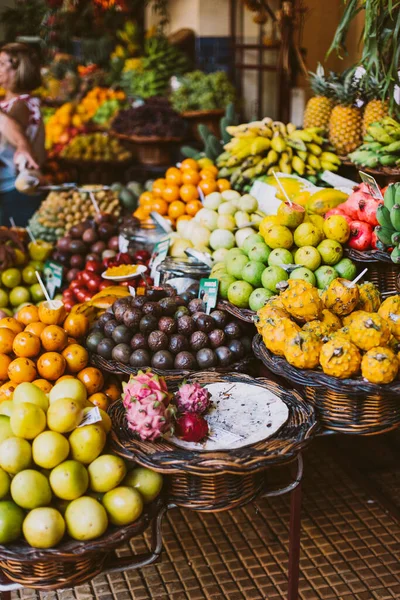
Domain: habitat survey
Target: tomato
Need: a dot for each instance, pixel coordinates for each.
(67, 294)
(74, 284)
(68, 305)
(81, 294)
(88, 297)
(94, 283)
(86, 276)
(94, 266)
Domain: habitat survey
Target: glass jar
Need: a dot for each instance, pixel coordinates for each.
(146, 237)
(181, 273)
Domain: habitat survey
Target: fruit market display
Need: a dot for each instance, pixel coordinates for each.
(153, 118)
(57, 479)
(345, 332)
(201, 91)
(177, 195)
(381, 145)
(63, 209)
(319, 107)
(152, 413)
(95, 147)
(262, 147)
(168, 332)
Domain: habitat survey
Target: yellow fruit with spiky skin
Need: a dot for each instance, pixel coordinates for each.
(301, 300)
(370, 298)
(374, 111)
(348, 319)
(319, 108)
(340, 358)
(318, 328)
(390, 305)
(341, 333)
(331, 320)
(380, 365)
(302, 350)
(267, 311)
(341, 297)
(275, 333)
(368, 331)
(393, 320)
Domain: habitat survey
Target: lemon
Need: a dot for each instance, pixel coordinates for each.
(279, 236)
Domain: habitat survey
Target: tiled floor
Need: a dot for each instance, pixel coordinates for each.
(350, 542)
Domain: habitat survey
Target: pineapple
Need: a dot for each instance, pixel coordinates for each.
(376, 108)
(319, 108)
(379, 365)
(345, 123)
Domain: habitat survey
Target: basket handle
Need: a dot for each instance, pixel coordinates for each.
(116, 564)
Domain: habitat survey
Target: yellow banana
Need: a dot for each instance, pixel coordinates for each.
(302, 155)
(317, 139)
(331, 157)
(290, 127)
(298, 165)
(285, 158)
(314, 149)
(266, 132)
(285, 167)
(302, 134)
(278, 144)
(317, 130)
(328, 166)
(260, 145)
(314, 161)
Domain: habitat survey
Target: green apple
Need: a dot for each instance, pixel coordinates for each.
(36, 293)
(11, 278)
(29, 275)
(19, 295)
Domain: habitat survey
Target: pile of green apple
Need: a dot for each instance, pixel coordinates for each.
(223, 223)
(19, 284)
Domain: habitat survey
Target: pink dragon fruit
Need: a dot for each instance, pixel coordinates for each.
(142, 385)
(149, 418)
(192, 398)
(191, 427)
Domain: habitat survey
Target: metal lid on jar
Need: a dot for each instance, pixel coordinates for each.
(183, 266)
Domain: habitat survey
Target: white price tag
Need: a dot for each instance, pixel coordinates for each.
(266, 197)
(159, 254)
(337, 181)
(371, 183)
(91, 417)
(123, 244)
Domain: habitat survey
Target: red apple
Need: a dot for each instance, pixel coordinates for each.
(94, 266)
(94, 283)
(360, 235)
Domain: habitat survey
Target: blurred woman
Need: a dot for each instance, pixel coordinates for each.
(19, 76)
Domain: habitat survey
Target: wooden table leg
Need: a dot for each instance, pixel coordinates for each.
(5, 595)
(294, 543)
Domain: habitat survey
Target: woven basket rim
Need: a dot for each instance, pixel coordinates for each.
(192, 114)
(94, 163)
(150, 139)
(380, 171)
(244, 314)
(164, 456)
(374, 256)
(73, 549)
(314, 378)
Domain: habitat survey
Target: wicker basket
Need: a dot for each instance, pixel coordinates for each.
(150, 151)
(243, 314)
(382, 271)
(210, 118)
(347, 405)
(72, 562)
(220, 480)
(384, 175)
(173, 377)
(96, 171)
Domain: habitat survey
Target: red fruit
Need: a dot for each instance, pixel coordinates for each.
(94, 267)
(88, 296)
(68, 294)
(68, 304)
(360, 235)
(142, 255)
(339, 212)
(374, 240)
(123, 258)
(75, 284)
(367, 211)
(81, 294)
(94, 283)
(79, 276)
(191, 427)
(104, 284)
(86, 276)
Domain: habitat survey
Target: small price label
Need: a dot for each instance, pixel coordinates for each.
(53, 272)
(92, 416)
(208, 292)
(372, 185)
(159, 254)
(337, 181)
(123, 244)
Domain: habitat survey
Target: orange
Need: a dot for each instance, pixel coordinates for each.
(26, 345)
(76, 357)
(223, 184)
(189, 163)
(21, 370)
(99, 399)
(158, 186)
(35, 328)
(76, 325)
(112, 391)
(28, 314)
(188, 192)
(4, 363)
(52, 313)
(176, 209)
(209, 172)
(160, 206)
(43, 385)
(71, 340)
(170, 193)
(54, 338)
(6, 340)
(140, 213)
(190, 176)
(193, 207)
(145, 197)
(12, 324)
(51, 366)
(7, 390)
(208, 186)
(174, 176)
(92, 379)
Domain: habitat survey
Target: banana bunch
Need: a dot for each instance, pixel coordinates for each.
(381, 147)
(388, 217)
(261, 147)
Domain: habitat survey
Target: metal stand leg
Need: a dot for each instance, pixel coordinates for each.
(294, 543)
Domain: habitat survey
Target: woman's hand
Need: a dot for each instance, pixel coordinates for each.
(14, 134)
(23, 158)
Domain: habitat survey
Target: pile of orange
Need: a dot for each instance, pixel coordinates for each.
(40, 345)
(177, 196)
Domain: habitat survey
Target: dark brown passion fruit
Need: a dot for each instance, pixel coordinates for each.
(193, 290)
(139, 342)
(140, 358)
(105, 348)
(181, 312)
(219, 317)
(132, 317)
(206, 358)
(224, 356)
(163, 360)
(205, 323)
(168, 306)
(121, 335)
(186, 325)
(232, 330)
(122, 353)
(177, 343)
(148, 323)
(237, 348)
(196, 305)
(110, 326)
(217, 338)
(167, 324)
(152, 308)
(93, 340)
(185, 361)
(198, 340)
(157, 340)
(139, 301)
(104, 318)
(119, 312)
(180, 301)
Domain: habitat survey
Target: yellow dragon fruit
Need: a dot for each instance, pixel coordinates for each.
(331, 320)
(275, 331)
(340, 358)
(318, 328)
(301, 299)
(380, 365)
(369, 330)
(370, 298)
(302, 350)
(341, 297)
(348, 319)
(390, 305)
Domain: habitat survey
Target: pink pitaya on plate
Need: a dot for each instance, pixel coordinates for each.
(142, 385)
(149, 418)
(191, 427)
(192, 398)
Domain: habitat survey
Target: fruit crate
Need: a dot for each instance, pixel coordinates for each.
(209, 118)
(72, 562)
(382, 271)
(97, 171)
(214, 481)
(352, 406)
(150, 151)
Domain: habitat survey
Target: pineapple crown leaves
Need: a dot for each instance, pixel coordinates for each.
(373, 87)
(347, 89)
(319, 83)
